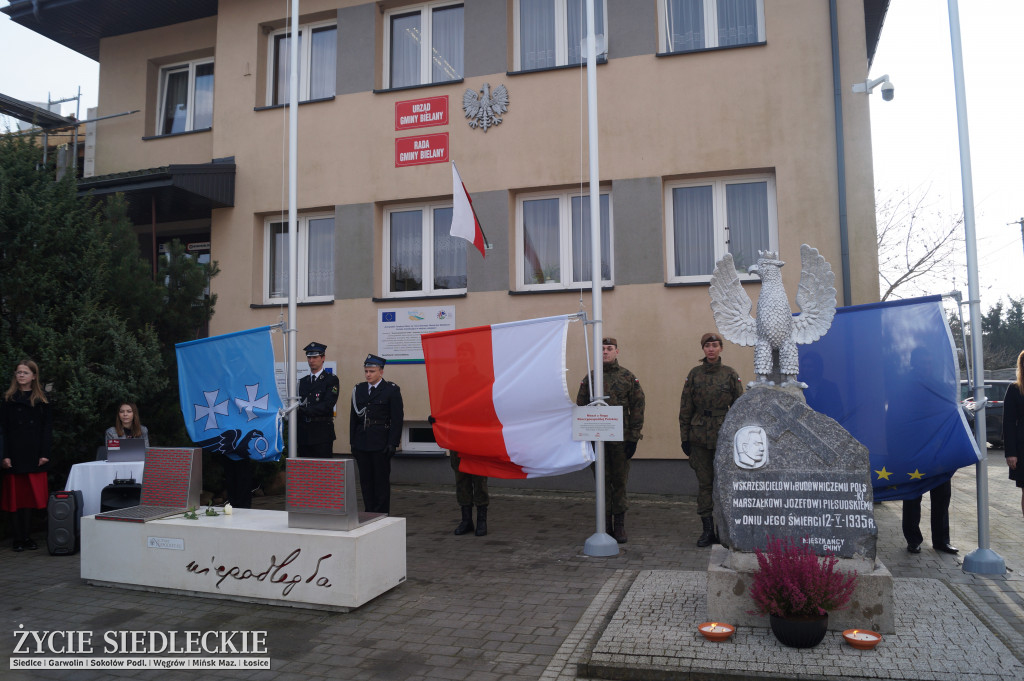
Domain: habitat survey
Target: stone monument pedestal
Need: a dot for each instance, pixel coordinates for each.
(731, 573)
(251, 555)
(784, 470)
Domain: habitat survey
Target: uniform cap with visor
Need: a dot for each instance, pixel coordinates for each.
(314, 349)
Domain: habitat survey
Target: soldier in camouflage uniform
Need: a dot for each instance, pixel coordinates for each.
(623, 389)
(709, 391)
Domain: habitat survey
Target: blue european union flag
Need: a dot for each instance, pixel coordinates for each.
(387, 316)
(887, 372)
(229, 395)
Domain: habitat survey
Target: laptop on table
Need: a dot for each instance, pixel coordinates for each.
(126, 449)
(171, 482)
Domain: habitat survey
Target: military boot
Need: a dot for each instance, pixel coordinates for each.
(707, 537)
(619, 527)
(467, 521)
(481, 521)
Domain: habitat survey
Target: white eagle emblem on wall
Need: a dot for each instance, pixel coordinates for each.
(484, 108)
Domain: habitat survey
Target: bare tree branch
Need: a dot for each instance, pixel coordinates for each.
(918, 244)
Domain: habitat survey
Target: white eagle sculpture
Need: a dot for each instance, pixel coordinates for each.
(775, 329)
(485, 108)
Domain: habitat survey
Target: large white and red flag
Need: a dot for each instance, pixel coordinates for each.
(464, 221)
(499, 399)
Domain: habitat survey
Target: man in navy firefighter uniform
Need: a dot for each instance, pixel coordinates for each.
(375, 431)
(319, 393)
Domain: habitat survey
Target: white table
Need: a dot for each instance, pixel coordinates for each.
(91, 477)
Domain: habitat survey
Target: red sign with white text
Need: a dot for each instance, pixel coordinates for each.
(421, 149)
(421, 113)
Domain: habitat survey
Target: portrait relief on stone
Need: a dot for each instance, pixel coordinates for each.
(750, 447)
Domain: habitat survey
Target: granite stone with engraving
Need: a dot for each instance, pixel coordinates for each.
(783, 469)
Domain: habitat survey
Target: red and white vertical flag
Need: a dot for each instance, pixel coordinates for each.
(499, 399)
(464, 221)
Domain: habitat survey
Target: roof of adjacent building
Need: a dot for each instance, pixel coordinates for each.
(80, 24)
(30, 113)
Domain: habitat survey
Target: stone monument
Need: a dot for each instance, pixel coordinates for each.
(781, 468)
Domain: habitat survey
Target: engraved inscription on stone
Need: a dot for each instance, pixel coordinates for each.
(750, 447)
(822, 511)
(815, 486)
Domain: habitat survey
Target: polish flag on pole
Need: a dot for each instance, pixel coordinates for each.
(498, 398)
(464, 222)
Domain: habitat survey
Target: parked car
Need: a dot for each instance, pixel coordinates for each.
(995, 391)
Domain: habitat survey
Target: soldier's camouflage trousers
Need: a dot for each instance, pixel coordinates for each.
(616, 474)
(702, 461)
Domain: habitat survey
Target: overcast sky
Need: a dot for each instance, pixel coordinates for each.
(914, 136)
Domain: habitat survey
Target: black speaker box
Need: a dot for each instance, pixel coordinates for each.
(120, 494)
(64, 522)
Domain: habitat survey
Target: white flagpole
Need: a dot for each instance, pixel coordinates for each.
(983, 560)
(293, 240)
(600, 543)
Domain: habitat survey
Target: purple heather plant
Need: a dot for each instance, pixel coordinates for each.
(792, 581)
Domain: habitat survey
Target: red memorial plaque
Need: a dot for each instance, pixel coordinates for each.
(421, 149)
(167, 475)
(316, 485)
(421, 113)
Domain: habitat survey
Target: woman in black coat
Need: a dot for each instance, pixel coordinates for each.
(1013, 428)
(26, 425)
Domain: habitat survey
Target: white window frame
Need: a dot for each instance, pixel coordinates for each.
(565, 240)
(302, 224)
(710, 25)
(561, 34)
(720, 209)
(420, 448)
(427, 250)
(305, 59)
(426, 11)
(165, 71)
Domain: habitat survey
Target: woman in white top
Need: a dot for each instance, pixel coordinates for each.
(127, 424)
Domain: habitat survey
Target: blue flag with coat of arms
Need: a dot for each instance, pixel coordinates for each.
(229, 395)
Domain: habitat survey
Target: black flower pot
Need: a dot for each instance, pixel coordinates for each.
(800, 632)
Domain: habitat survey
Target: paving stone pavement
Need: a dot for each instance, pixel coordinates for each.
(524, 602)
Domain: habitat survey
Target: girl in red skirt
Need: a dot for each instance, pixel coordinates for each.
(26, 428)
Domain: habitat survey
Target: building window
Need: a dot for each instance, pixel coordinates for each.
(709, 218)
(553, 241)
(186, 97)
(420, 255)
(550, 33)
(423, 44)
(418, 438)
(702, 24)
(317, 62)
(316, 259)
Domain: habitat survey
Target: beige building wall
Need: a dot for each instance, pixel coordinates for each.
(763, 108)
(129, 81)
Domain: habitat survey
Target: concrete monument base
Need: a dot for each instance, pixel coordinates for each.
(251, 555)
(730, 575)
